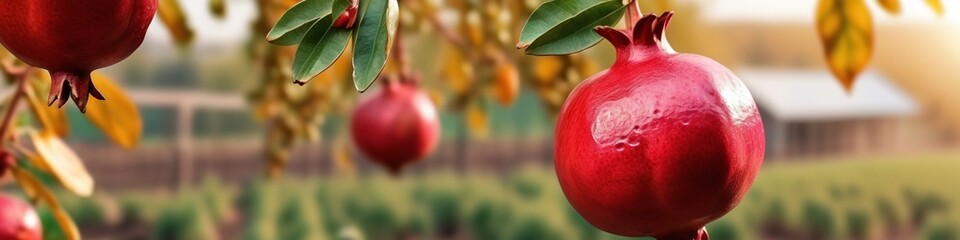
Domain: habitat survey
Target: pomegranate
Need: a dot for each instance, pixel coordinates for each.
(18, 220)
(73, 38)
(661, 143)
(6, 161)
(396, 126)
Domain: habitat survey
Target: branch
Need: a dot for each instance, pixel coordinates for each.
(19, 74)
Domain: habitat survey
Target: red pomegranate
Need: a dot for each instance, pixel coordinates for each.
(18, 220)
(73, 38)
(661, 143)
(396, 126)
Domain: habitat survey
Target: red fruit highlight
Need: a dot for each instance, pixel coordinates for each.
(348, 17)
(73, 38)
(18, 220)
(396, 126)
(661, 143)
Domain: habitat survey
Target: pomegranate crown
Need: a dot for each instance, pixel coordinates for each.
(648, 31)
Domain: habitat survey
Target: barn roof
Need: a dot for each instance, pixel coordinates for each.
(807, 95)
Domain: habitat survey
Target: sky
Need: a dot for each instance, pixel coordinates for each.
(210, 32)
(802, 11)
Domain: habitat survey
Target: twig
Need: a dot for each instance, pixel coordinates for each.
(19, 74)
(400, 56)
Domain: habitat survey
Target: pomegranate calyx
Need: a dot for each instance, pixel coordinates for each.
(647, 32)
(69, 85)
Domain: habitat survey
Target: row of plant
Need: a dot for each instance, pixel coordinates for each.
(874, 199)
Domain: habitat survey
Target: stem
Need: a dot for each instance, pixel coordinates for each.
(400, 56)
(20, 75)
(633, 15)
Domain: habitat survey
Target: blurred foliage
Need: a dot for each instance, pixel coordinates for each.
(858, 199)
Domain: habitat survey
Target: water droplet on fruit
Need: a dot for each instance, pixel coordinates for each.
(685, 122)
(634, 140)
(620, 146)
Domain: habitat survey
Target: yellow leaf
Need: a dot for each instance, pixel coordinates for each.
(4, 53)
(341, 158)
(66, 223)
(38, 192)
(547, 69)
(64, 164)
(472, 27)
(657, 6)
(117, 116)
(393, 20)
(171, 14)
(846, 31)
(27, 182)
(891, 6)
(477, 121)
(937, 6)
(265, 109)
(436, 97)
(458, 73)
(50, 118)
(506, 83)
(36, 161)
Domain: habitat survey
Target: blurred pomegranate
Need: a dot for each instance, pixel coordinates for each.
(18, 220)
(5, 162)
(661, 143)
(73, 38)
(397, 125)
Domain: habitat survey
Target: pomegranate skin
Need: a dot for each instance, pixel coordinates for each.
(73, 38)
(396, 126)
(661, 143)
(18, 220)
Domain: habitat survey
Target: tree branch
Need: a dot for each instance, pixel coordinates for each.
(19, 74)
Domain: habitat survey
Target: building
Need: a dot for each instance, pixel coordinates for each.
(806, 113)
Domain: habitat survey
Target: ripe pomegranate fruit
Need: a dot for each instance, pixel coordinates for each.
(397, 125)
(661, 143)
(73, 38)
(18, 220)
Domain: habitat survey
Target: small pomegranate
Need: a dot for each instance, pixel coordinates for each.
(73, 38)
(661, 143)
(397, 125)
(18, 220)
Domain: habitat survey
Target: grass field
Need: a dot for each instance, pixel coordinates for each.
(907, 197)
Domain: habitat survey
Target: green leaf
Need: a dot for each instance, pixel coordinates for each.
(295, 22)
(556, 20)
(321, 46)
(373, 41)
(572, 38)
